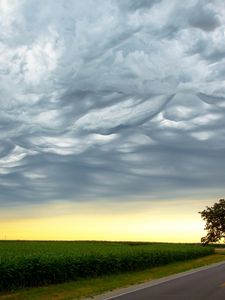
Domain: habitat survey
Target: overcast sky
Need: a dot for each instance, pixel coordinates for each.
(114, 100)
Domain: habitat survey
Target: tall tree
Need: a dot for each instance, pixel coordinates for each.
(215, 222)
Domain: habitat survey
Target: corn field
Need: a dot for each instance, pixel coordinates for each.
(30, 264)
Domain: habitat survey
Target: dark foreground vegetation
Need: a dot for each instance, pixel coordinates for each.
(29, 264)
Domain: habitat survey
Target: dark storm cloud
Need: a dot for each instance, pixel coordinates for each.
(203, 16)
(136, 5)
(111, 100)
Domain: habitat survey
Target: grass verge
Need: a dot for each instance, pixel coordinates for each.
(94, 286)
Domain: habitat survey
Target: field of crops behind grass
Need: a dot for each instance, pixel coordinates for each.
(29, 264)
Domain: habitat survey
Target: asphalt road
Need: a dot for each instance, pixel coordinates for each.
(206, 284)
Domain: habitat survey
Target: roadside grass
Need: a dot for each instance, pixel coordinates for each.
(94, 286)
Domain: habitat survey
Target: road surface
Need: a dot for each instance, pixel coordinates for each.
(204, 284)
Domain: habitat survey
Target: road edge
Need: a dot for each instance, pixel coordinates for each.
(154, 282)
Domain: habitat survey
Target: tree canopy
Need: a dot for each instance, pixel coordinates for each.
(215, 222)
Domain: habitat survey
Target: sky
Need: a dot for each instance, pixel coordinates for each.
(112, 118)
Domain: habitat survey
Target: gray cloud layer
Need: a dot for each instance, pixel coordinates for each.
(111, 99)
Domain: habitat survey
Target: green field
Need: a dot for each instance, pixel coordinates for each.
(29, 264)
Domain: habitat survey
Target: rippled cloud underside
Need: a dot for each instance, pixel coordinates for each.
(111, 99)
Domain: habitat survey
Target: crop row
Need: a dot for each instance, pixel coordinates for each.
(43, 269)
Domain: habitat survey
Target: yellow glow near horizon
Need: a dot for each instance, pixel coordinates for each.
(165, 222)
(95, 228)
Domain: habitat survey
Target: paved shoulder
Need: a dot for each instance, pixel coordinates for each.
(206, 283)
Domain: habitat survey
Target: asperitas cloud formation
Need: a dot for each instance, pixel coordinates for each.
(111, 99)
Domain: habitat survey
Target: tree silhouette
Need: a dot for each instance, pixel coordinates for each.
(215, 222)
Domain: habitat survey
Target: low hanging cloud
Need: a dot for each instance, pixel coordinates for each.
(111, 99)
